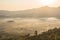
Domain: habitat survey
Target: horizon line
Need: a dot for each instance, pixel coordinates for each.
(29, 8)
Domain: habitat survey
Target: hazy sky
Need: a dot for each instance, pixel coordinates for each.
(23, 4)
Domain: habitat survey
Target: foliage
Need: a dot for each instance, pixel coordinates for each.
(53, 34)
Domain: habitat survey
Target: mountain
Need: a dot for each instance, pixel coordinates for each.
(32, 13)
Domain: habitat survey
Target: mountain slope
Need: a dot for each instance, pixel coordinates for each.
(33, 13)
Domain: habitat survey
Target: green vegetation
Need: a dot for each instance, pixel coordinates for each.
(53, 34)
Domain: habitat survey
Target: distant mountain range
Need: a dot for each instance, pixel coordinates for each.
(32, 13)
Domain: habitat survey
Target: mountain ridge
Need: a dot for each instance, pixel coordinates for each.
(33, 13)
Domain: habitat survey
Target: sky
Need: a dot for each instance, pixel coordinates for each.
(13, 5)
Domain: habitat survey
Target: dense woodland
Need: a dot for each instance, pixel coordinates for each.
(52, 34)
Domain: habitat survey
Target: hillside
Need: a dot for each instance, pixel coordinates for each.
(32, 13)
(53, 34)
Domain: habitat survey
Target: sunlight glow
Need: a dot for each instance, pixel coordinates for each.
(46, 2)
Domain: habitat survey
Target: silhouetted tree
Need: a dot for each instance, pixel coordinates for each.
(36, 33)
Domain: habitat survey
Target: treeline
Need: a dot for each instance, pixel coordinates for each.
(52, 34)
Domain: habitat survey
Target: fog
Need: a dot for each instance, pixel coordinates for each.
(28, 25)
